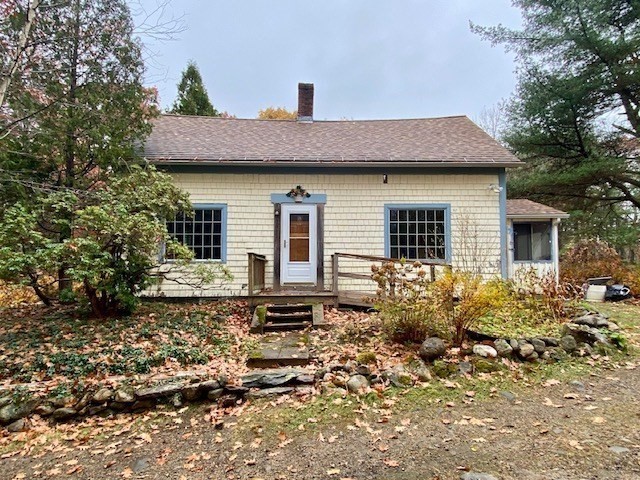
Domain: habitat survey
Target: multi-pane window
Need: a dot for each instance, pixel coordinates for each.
(417, 233)
(532, 241)
(201, 231)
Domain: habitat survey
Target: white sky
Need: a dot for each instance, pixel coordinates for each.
(367, 58)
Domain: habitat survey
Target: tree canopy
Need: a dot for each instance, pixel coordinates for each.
(193, 98)
(575, 115)
(277, 113)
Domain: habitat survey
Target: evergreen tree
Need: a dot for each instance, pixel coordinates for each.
(575, 116)
(192, 95)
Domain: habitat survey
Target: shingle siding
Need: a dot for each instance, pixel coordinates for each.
(353, 218)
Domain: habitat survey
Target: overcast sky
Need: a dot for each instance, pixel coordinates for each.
(367, 58)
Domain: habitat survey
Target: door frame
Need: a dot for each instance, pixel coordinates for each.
(318, 200)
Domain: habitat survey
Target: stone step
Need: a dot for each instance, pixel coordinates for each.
(278, 326)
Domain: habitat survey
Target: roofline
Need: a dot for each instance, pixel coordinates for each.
(294, 120)
(340, 163)
(538, 216)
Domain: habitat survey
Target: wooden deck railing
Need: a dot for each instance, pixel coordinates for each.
(370, 259)
(257, 267)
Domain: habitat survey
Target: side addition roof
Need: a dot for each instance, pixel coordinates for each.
(523, 208)
(447, 141)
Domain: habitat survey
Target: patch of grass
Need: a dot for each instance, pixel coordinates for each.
(517, 325)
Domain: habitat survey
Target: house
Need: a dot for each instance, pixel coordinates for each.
(293, 206)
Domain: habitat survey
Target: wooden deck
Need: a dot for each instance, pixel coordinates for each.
(327, 297)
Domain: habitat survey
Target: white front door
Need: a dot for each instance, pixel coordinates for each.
(299, 252)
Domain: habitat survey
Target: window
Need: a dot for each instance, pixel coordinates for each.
(532, 242)
(203, 232)
(417, 233)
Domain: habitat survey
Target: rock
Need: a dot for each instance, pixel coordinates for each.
(209, 385)
(465, 368)
(485, 351)
(64, 413)
(192, 392)
(60, 402)
(477, 476)
(538, 345)
(526, 350)
(399, 377)
(95, 410)
(159, 391)
(550, 341)
(545, 355)
(590, 319)
(568, 343)
(269, 392)
(431, 349)
(103, 395)
(223, 379)
(44, 410)
(124, 396)
(176, 400)
(619, 450)
(375, 379)
(612, 326)
(306, 379)
(421, 371)
(141, 464)
(350, 366)
(340, 381)
(585, 334)
(227, 401)
(557, 354)
(12, 412)
(357, 383)
(487, 366)
(508, 395)
(363, 370)
(19, 425)
(141, 405)
(503, 347)
(215, 394)
(514, 344)
(533, 357)
(584, 350)
(237, 390)
(84, 401)
(4, 401)
(576, 385)
(443, 369)
(270, 378)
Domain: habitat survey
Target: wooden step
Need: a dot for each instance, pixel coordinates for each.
(288, 308)
(272, 327)
(289, 317)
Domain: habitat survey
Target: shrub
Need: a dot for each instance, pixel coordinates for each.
(544, 295)
(595, 258)
(406, 309)
(461, 299)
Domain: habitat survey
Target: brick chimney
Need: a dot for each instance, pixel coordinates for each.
(305, 102)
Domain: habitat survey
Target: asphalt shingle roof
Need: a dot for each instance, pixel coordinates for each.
(448, 141)
(521, 207)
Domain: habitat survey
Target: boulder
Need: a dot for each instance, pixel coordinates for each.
(269, 392)
(550, 341)
(103, 395)
(215, 394)
(533, 357)
(585, 334)
(159, 391)
(568, 343)
(14, 411)
(270, 378)
(64, 413)
(362, 370)
(465, 368)
(44, 410)
(123, 395)
(431, 349)
(357, 383)
(192, 392)
(485, 351)
(487, 366)
(19, 425)
(584, 350)
(503, 347)
(526, 350)
(399, 377)
(538, 345)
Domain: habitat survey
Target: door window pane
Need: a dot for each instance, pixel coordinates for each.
(299, 237)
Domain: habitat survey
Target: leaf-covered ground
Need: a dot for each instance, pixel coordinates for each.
(57, 348)
(568, 421)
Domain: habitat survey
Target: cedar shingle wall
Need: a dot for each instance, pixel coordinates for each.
(354, 216)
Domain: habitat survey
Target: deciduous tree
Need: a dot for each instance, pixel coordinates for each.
(277, 113)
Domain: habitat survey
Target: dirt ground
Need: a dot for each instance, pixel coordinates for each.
(554, 431)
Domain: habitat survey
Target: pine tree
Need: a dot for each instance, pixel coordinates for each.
(192, 95)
